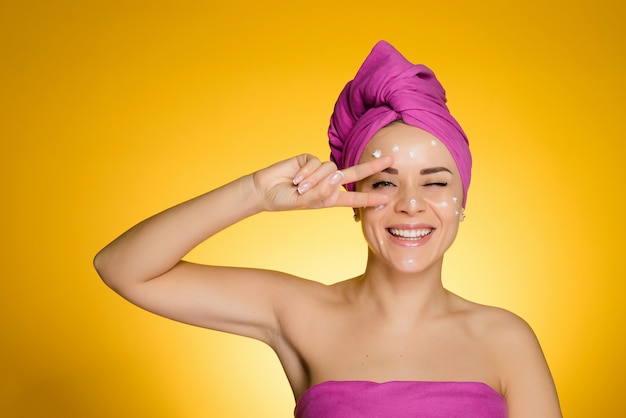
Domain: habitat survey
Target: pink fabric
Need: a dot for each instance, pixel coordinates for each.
(400, 399)
(386, 88)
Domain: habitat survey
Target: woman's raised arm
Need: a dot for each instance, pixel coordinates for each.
(144, 264)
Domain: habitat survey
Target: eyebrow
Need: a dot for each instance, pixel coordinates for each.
(434, 170)
(431, 170)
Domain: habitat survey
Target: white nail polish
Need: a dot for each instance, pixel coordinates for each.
(336, 178)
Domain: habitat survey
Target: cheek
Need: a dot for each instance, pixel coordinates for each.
(370, 225)
(448, 202)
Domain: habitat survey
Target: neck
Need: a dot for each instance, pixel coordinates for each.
(393, 292)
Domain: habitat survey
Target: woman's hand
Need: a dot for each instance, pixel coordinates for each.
(304, 182)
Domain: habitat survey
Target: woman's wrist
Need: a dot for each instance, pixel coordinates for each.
(250, 198)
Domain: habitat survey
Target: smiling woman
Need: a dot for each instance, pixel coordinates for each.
(422, 184)
(391, 341)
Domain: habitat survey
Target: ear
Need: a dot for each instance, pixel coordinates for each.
(357, 214)
(462, 215)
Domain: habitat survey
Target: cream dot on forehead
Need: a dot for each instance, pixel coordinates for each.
(433, 143)
(395, 148)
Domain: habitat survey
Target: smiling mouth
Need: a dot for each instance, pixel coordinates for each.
(410, 234)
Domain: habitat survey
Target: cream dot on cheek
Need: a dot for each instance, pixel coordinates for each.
(377, 153)
(379, 207)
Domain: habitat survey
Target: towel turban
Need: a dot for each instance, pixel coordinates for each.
(386, 88)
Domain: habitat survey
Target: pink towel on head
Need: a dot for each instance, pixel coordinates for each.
(386, 88)
(400, 399)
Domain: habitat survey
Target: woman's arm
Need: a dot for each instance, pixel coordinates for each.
(526, 379)
(144, 264)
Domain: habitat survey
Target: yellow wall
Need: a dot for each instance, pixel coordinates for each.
(113, 110)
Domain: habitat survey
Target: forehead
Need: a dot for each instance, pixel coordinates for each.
(408, 144)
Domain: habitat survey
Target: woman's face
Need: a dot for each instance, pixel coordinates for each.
(421, 220)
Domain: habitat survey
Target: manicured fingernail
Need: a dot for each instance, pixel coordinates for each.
(336, 178)
(298, 179)
(302, 188)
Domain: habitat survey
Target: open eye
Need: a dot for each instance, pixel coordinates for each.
(382, 183)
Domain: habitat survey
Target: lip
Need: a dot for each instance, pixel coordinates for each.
(410, 235)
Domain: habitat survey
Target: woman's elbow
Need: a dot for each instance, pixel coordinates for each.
(103, 265)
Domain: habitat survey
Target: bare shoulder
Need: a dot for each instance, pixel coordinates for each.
(501, 326)
(506, 335)
(491, 322)
(524, 375)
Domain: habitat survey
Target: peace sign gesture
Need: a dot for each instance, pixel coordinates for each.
(304, 182)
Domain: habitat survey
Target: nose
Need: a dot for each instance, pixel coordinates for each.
(410, 203)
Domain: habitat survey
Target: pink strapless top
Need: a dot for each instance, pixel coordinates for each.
(400, 399)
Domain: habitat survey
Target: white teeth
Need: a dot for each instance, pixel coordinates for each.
(410, 233)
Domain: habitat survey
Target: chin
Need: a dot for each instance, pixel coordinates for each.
(409, 265)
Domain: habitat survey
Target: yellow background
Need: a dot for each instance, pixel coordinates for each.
(113, 110)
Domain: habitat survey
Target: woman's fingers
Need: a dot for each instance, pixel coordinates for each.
(360, 199)
(364, 170)
(316, 174)
(308, 164)
(322, 182)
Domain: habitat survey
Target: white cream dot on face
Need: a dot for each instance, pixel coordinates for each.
(395, 148)
(377, 153)
(444, 203)
(413, 202)
(411, 261)
(379, 207)
(433, 143)
(455, 199)
(456, 212)
(412, 154)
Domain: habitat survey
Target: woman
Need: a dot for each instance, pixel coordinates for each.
(391, 342)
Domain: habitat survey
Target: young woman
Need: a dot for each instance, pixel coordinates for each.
(392, 342)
